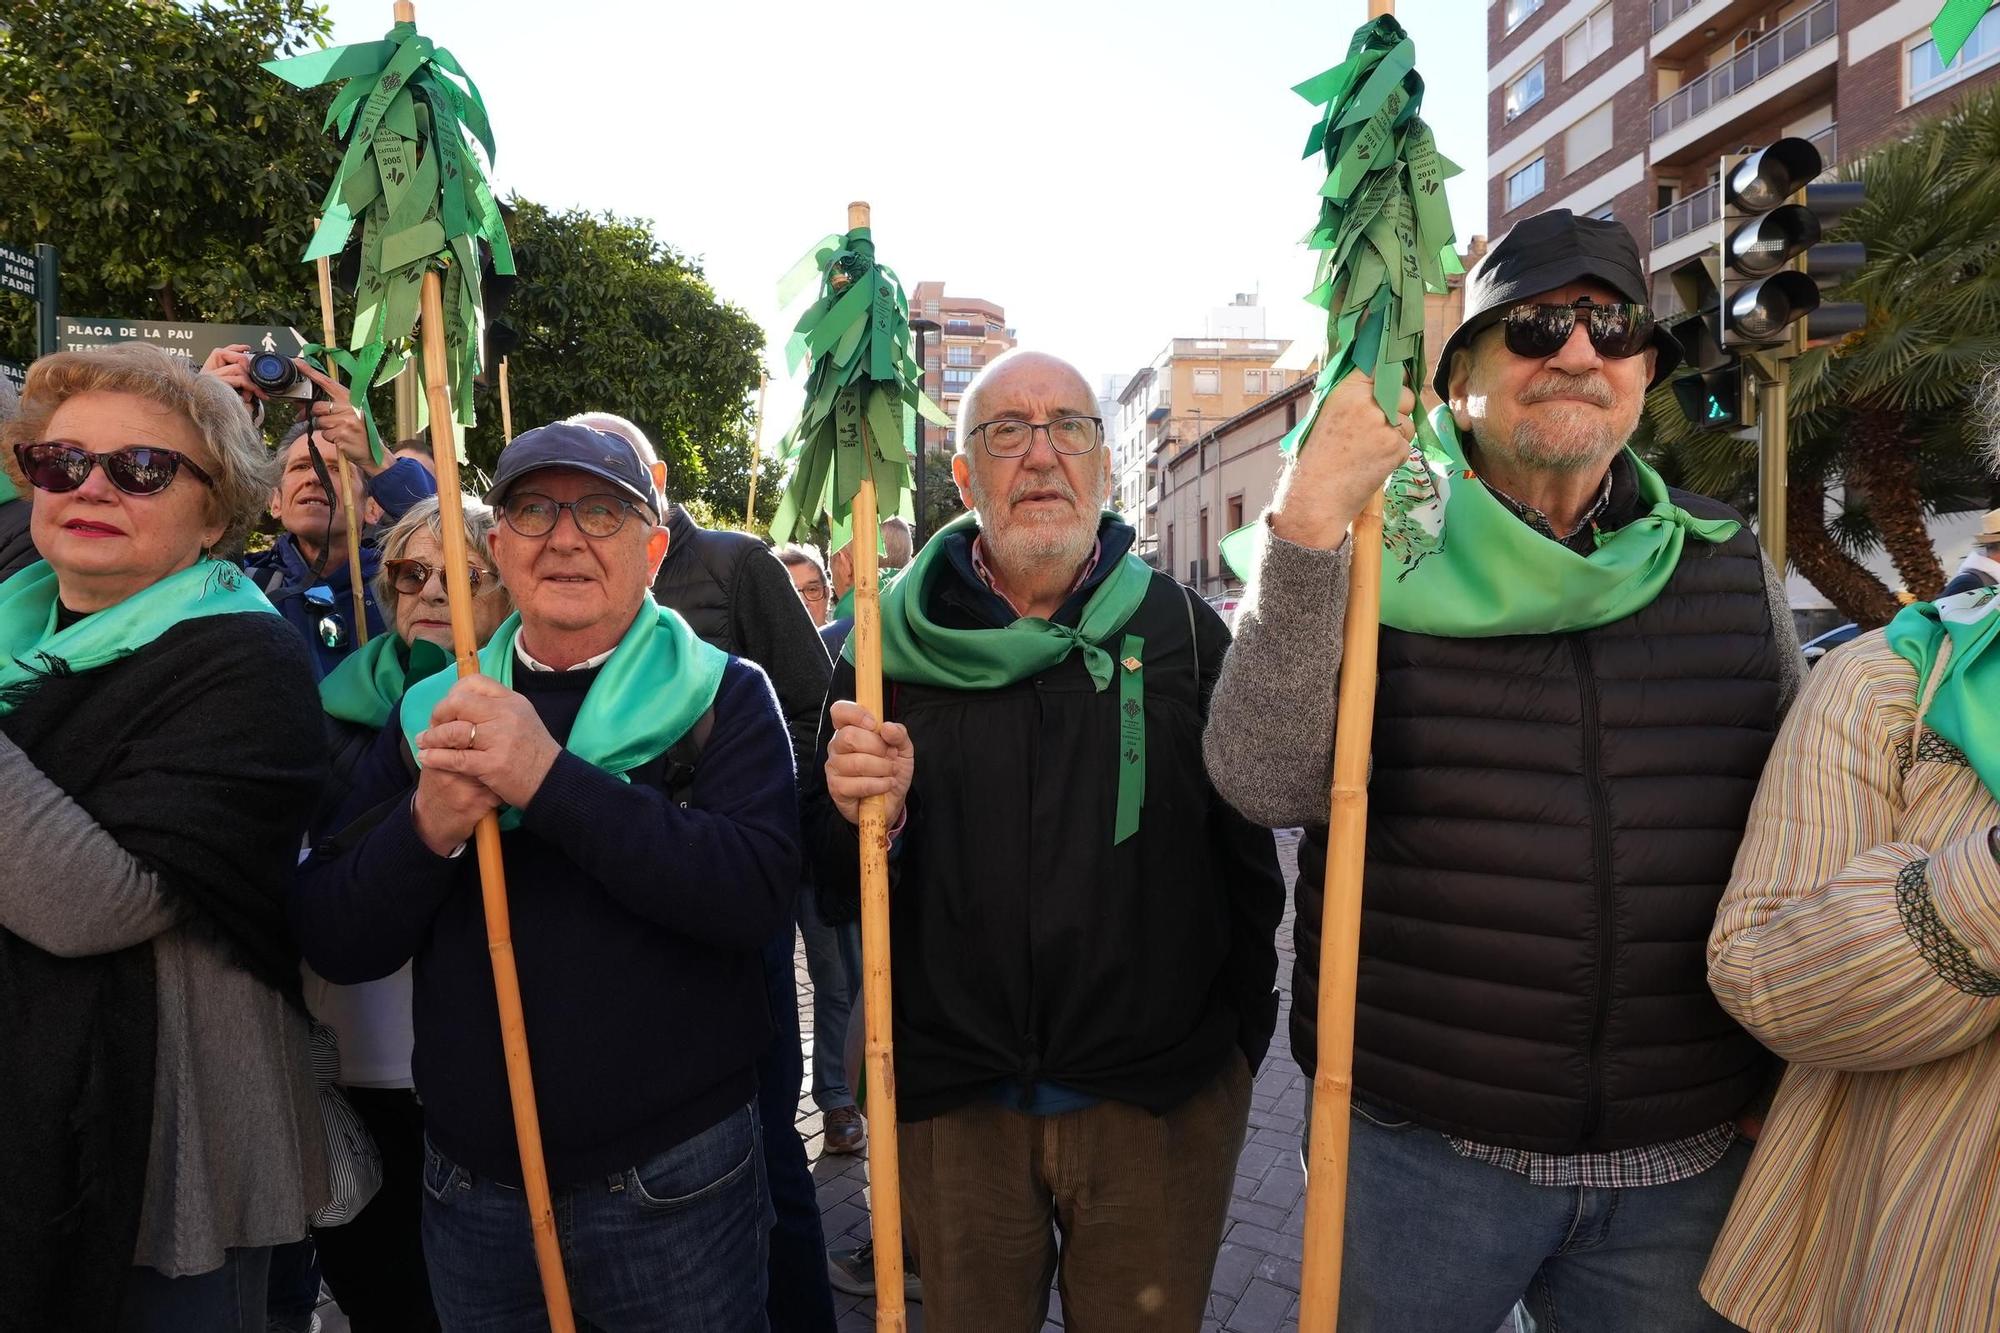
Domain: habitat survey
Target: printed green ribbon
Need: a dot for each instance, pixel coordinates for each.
(919, 651)
(1384, 231)
(31, 647)
(656, 685)
(1954, 24)
(410, 179)
(1962, 708)
(1131, 736)
(863, 388)
(371, 681)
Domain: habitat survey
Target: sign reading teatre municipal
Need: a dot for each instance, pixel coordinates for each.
(193, 341)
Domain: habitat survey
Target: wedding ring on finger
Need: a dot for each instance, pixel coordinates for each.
(471, 735)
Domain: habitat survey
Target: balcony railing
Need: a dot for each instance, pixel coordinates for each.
(1759, 60)
(1666, 11)
(1702, 207)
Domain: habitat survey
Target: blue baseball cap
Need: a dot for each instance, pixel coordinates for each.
(566, 445)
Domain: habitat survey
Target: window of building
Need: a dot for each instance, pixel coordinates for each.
(1526, 90)
(930, 310)
(1604, 214)
(1170, 547)
(954, 378)
(1201, 554)
(1207, 380)
(1524, 183)
(1235, 512)
(1253, 382)
(958, 356)
(1518, 11)
(1274, 380)
(1587, 139)
(1587, 41)
(1926, 74)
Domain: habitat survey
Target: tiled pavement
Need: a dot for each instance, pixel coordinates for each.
(1257, 1270)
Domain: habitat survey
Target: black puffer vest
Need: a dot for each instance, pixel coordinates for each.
(1551, 822)
(700, 569)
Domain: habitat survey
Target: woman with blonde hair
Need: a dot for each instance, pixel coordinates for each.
(159, 754)
(1860, 940)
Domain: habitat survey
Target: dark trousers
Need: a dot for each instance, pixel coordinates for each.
(799, 1298)
(229, 1299)
(374, 1263)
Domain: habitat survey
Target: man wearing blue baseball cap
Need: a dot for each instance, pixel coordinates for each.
(644, 785)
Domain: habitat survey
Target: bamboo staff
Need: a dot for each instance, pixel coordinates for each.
(356, 587)
(756, 450)
(506, 406)
(884, 1170)
(1340, 917)
(492, 874)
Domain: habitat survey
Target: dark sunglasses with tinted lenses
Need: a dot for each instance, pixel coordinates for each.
(408, 577)
(1617, 330)
(137, 469)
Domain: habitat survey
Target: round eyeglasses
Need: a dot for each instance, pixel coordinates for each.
(535, 515)
(1067, 435)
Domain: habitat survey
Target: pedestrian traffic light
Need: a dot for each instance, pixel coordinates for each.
(1770, 252)
(1710, 388)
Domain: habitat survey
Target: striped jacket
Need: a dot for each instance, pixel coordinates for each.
(1860, 940)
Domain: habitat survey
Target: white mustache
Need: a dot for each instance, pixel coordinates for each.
(1052, 482)
(1592, 387)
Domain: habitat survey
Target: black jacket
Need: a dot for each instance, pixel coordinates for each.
(17, 548)
(1027, 947)
(1551, 821)
(736, 595)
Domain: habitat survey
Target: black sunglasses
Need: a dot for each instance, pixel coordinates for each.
(137, 469)
(1616, 330)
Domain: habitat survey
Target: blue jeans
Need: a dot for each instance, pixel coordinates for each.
(833, 960)
(229, 1299)
(1438, 1242)
(675, 1242)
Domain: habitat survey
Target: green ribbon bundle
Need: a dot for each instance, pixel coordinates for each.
(1384, 231)
(1954, 24)
(863, 394)
(409, 177)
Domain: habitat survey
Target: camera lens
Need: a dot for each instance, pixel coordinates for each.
(273, 373)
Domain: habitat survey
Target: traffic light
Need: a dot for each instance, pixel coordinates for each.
(1769, 245)
(1710, 388)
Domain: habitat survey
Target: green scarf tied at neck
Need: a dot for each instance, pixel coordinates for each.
(1459, 564)
(31, 646)
(919, 651)
(658, 682)
(366, 687)
(1963, 708)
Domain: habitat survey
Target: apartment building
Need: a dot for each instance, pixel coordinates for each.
(1623, 108)
(971, 331)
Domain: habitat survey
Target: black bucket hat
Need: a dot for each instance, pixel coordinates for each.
(1540, 254)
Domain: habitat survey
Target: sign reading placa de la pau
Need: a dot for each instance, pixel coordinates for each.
(193, 341)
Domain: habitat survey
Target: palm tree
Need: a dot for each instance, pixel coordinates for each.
(1882, 415)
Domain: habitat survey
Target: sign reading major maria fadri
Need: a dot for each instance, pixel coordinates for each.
(193, 341)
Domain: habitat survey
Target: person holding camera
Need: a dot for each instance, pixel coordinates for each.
(305, 571)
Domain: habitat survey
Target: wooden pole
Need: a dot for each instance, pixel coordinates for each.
(492, 874)
(357, 588)
(1340, 918)
(506, 406)
(885, 1180)
(756, 450)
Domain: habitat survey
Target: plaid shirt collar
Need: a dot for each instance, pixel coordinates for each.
(1581, 539)
(984, 569)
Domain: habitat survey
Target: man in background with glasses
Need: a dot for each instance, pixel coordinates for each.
(644, 783)
(1083, 930)
(1582, 671)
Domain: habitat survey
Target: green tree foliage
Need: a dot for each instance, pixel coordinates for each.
(178, 180)
(1885, 417)
(612, 319)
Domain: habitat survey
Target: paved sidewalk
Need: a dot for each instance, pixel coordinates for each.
(1257, 1271)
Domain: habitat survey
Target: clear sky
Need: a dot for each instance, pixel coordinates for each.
(1107, 170)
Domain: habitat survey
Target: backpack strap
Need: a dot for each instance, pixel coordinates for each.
(684, 756)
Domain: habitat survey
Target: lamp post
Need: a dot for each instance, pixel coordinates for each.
(922, 328)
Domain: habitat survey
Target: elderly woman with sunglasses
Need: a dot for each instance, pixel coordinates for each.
(159, 756)
(374, 1263)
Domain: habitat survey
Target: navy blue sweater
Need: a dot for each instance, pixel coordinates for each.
(636, 924)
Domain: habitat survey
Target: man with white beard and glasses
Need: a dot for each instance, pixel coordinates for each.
(1083, 931)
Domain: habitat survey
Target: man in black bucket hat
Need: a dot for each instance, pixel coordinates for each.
(1582, 670)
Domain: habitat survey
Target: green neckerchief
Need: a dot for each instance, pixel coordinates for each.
(370, 681)
(31, 646)
(918, 650)
(1962, 710)
(1457, 564)
(844, 608)
(8, 491)
(658, 682)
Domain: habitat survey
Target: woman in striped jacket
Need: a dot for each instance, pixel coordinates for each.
(1860, 940)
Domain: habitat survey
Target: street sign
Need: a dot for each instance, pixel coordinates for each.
(34, 274)
(16, 375)
(192, 341)
(17, 271)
